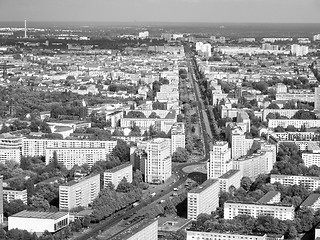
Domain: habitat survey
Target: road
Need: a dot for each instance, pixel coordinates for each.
(178, 169)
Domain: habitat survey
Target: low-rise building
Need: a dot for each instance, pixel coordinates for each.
(309, 182)
(79, 193)
(38, 222)
(11, 194)
(280, 211)
(310, 159)
(116, 174)
(230, 178)
(203, 199)
(312, 201)
(297, 123)
(192, 235)
(271, 197)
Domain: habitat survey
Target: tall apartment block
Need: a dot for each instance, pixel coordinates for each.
(79, 193)
(1, 199)
(178, 137)
(239, 144)
(156, 166)
(203, 199)
(116, 174)
(230, 178)
(10, 147)
(220, 160)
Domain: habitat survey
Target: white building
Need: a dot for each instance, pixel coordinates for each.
(144, 34)
(309, 182)
(79, 193)
(7, 154)
(156, 167)
(230, 178)
(299, 50)
(203, 199)
(197, 235)
(178, 137)
(297, 123)
(220, 160)
(271, 197)
(116, 174)
(280, 211)
(317, 99)
(310, 159)
(312, 201)
(38, 222)
(239, 144)
(10, 195)
(243, 117)
(289, 113)
(316, 37)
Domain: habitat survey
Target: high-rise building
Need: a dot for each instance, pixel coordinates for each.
(203, 199)
(1, 199)
(79, 193)
(299, 50)
(156, 166)
(178, 137)
(230, 178)
(220, 160)
(243, 117)
(240, 145)
(116, 174)
(316, 37)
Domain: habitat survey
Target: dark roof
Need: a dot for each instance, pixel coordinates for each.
(229, 174)
(42, 215)
(117, 168)
(203, 186)
(73, 182)
(311, 200)
(268, 196)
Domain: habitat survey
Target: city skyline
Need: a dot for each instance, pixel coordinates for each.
(224, 11)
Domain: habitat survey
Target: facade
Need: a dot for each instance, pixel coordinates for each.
(239, 144)
(79, 193)
(254, 165)
(243, 117)
(10, 195)
(289, 113)
(143, 230)
(203, 199)
(7, 154)
(38, 222)
(271, 197)
(230, 178)
(77, 156)
(297, 123)
(178, 137)
(310, 182)
(156, 167)
(1, 199)
(116, 174)
(282, 212)
(145, 123)
(303, 97)
(37, 147)
(310, 159)
(299, 50)
(220, 160)
(196, 235)
(317, 99)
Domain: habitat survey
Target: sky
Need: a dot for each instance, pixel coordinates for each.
(219, 11)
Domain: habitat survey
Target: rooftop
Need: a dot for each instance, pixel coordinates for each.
(311, 200)
(229, 174)
(261, 204)
(73, 182)
(128, 232)
(204, 186)
(268, 196)
(117, 168)
(42, 215)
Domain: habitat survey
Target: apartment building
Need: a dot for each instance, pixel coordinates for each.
(220, 160)
(289, 113)
(198, 235)
(230, 178)
(145, 123)
(37, 147)
(79, 193)
(178, 137)
(297, 123)
(271, 197)
(7, 154)
(243, 117)
(203, 199)
(254, 165)
(1, 199)
(156, 166)
(312, 201)
(303, 97)
(296, 136)
(317, 99)
(280, 211)
(11, 194)
(116, 174)
(309, 182)
(240, 145)
(310, 159)
(70, 157)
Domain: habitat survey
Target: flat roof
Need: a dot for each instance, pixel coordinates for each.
(131, 230)
(268, 196)
(42, 215)
(73, 182)
(203, 186)
(257, 203)
(229, 174)
(117, 168)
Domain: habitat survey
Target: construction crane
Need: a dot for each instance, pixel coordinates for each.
(4, 67)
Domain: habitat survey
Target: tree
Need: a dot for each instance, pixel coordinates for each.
(292, 233)
(291, 128)
(246, 183)
(273, 106)
(153, 115)
(13, 207)
(124, 186)
(135, 114)
(180, 155)
(39, 203)
(122, 151)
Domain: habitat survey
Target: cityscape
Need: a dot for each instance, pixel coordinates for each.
(155, 127)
